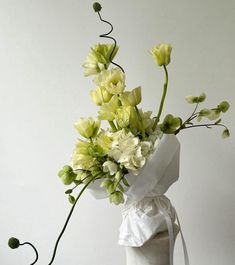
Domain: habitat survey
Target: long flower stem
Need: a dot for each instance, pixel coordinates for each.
(36, 252)
(163, 99)
(67, 220)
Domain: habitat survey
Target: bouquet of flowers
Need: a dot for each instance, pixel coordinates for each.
(109, 154)
(106, 156)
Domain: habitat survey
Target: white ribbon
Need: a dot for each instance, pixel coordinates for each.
(171, 232)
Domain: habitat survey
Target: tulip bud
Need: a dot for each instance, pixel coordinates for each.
(88, 128)
(162, 54)
(132, 98)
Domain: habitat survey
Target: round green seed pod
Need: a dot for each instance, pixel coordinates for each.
(97, 7)
(13, 242)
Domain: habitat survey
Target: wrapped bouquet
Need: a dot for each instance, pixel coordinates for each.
(131, 155)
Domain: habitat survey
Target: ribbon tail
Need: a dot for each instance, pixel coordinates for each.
(170, 232)
(186, 257)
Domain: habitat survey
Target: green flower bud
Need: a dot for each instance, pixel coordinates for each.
(162, 54)
(202, 97)
(214, 115)
(116, 197)
(223, 106)
(97, 7)
(170, 124)
(13, 242)
(71, 199)
(87, 127)
(131, 98)
(123, 116)
(225, 133)
(67, 175)
(192, 99)
(106, 183)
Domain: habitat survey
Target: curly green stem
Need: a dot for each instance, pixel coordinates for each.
(162, 100)
(35, 250)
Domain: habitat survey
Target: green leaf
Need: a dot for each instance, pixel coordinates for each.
(71, 199)
(120, 187)
(125, 182)
(225, 133)
(111, 188)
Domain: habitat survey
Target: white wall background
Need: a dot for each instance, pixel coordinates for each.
(43, 91)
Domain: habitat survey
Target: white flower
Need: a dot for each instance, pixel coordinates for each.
(129, 151)
(110, 167)
(112, 80)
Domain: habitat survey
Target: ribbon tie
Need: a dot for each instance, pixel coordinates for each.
(170, 229)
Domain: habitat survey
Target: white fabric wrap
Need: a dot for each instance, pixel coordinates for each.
(148, 231)
(141, 216)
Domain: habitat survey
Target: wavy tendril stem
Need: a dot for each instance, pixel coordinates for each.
(106, 35)
(34, 248)
(67, 220)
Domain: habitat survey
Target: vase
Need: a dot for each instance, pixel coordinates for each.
(155, 251)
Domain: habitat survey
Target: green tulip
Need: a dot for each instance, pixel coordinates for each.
(87, 127)
(131, 98)
(99, 58)
(100, 96)
(162, 54)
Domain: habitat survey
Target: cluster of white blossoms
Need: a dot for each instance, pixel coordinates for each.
(129, 151)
